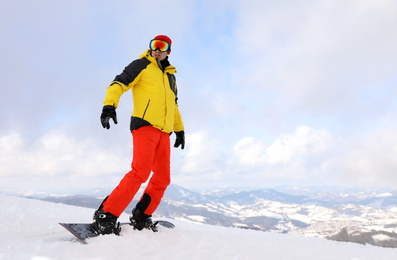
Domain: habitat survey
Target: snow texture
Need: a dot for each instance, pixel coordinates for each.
(29, 229)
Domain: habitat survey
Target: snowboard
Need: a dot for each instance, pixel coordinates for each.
(83, 231)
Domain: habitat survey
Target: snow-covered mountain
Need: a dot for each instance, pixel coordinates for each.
(313, 213)
(29, 230)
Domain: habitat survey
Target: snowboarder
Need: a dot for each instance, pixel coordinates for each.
(155, 116)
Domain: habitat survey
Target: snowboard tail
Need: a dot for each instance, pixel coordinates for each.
(80, 230)
(83, 231)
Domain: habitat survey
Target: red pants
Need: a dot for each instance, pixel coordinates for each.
(151, 153)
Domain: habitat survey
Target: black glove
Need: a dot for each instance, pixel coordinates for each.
(107, 113)
(180, 139)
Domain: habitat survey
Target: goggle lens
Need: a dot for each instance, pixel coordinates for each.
(159, 44)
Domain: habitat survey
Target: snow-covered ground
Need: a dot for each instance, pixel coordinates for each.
(29, 230)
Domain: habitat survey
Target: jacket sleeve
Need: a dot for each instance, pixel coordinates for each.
(113, 93)
(124, 81)
(178, 124)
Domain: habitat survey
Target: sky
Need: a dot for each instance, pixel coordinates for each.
(272, 93)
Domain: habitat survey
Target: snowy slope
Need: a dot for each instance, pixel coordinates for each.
(29, 230)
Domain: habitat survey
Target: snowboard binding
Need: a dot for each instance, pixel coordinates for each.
(105, 223)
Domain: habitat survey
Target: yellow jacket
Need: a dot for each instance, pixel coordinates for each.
(154, 94)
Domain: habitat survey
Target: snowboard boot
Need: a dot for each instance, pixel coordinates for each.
(105, 222)
(140, 220)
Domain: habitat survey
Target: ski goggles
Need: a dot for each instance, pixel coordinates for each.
(160, 45)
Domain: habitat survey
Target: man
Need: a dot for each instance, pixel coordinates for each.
(155, 116)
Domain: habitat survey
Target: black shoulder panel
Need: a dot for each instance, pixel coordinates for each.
(132, 71)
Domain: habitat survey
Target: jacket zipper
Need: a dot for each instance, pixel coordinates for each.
(146, 109)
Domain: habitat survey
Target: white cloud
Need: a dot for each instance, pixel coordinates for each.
(304, 142)
(287, 148)
(312, 156)
(202, 153)
(306, 156)
(57, 156)
(250, 151)
(367, 161)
